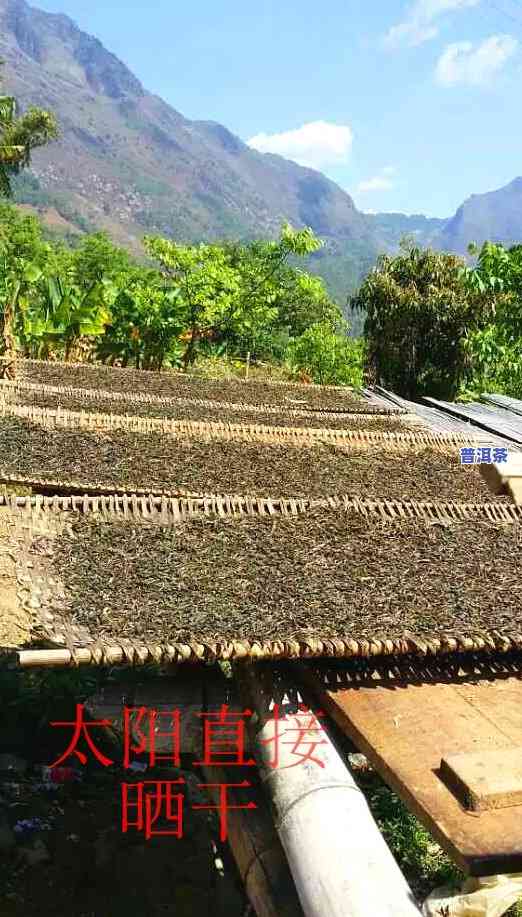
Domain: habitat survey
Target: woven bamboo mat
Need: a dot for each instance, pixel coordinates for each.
(133, 402)
(134, 580)
(65, 459)
(167, 509)
(175, 384)
(78, 420)
(200, 410)
(36, 368)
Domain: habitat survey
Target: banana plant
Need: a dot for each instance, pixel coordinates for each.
(146, 324)
(63, 313)
(15, 281)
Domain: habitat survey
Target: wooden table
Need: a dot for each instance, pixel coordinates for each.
(406, 725)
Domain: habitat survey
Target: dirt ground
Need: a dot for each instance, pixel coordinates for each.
(63, 851)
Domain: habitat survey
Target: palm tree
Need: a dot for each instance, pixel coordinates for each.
(19, 135)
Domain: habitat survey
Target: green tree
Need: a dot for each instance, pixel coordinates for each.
(19, 136)
(204, 283)
(97, 258)
(23, 254)
(302, 301)
(147, 319)
(327, 356)
(498, 269)
(495, 350)
(418, 315)
(276, 300)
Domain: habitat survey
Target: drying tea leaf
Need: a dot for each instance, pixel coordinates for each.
(159, 461)
(186, 410)
(325, 574)
(175, 385)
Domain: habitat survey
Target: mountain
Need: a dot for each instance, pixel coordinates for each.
(390, 228)
(495, 216)
(130, 164)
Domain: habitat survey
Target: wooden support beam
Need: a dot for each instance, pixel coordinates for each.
(505, 477)
(255, 845)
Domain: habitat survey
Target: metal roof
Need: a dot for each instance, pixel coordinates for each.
(491, 423)
(504, 401)
(498, 421)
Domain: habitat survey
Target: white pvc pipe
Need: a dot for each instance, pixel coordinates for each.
(340, 862)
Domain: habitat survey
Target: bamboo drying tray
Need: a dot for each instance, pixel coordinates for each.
(85, 420)
(104, 580)
(146, 404)
(91, 401)
(176, 384)
(65, 452)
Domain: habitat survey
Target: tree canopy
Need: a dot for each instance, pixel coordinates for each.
(19, 136)
(419, 314)
(187, 300)
(494, 350)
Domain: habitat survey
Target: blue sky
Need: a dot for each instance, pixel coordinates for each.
(409, 106)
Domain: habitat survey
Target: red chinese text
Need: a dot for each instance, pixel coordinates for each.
(150, 735)
(304, 742)
(152, 799)
(224, 738)
(81, 729)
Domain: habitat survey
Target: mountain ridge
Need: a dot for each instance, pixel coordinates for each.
(129, 163)
(494, 216)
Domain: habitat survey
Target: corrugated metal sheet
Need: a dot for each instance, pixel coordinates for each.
(497, 428)
(497, 421)
(375, 398)
(438, 420)
(504, 401)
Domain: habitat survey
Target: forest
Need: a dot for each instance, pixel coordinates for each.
(181, 303)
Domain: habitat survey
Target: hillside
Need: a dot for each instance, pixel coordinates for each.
(129, 163)
(494, 216)
(390, 228)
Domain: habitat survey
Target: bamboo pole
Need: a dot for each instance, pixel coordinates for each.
(44, 658)
(336, 853)
(256, 848)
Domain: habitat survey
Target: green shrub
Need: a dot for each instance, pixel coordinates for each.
(327, 356)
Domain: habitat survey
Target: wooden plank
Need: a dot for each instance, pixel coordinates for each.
(493, 476)
(485, 780)
(187, 693)
(405, 729)
(505, 477)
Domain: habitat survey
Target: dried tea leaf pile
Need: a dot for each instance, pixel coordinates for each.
(155, 461)
(186, 410)
(175, 385)
(323, 574)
